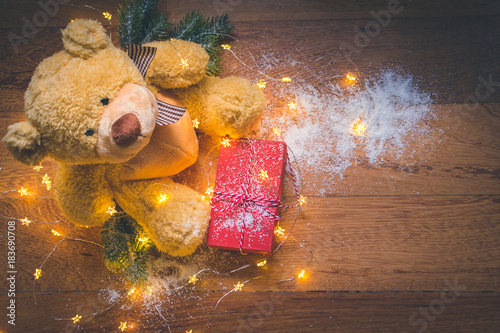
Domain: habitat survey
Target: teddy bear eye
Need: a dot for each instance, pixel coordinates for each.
(89, 132)
(105, 101)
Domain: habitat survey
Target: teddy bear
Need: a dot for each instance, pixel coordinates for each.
(90, 108)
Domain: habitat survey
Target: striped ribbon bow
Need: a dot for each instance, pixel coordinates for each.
(259, 202)
(142, 57)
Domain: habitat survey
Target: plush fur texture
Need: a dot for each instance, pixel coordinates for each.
(89, 108)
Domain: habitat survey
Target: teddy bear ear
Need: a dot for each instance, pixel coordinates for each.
(84, 38)
(24, 142)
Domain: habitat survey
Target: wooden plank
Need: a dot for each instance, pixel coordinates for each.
(446, 56)
(244, 10)
(266, 312)
(358, 243)
(450, 163)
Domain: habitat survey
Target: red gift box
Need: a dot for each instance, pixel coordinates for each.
(247, 195)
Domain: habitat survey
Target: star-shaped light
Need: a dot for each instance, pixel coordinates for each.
(225, 142)
(163, 198)
(184, 63)
(226, 47)
(292, 105)
(38, 273)
(107, 15)
(261, 84)
(47, 182)
(196, 123)
(37, 168)
(279, 231)
(358, 127)
(286, 79)
(238, 286)
(123, 326)
(350, 79)
(76, 319)
(25, 221)
(111, 210)
(23, 191)
(193, 279)
(263, 174)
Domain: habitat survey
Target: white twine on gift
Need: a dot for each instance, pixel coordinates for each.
(247, 200)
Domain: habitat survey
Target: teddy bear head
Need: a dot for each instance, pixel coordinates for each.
(86, 104)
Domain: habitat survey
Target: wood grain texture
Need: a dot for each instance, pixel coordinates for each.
(272, 312)
(448, 163)
(388, 240)
(379, 243)
(447, 64)
(242, 10)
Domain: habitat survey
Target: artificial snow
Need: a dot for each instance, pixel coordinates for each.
(318, 132)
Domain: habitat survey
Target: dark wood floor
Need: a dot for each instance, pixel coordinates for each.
(406, 249)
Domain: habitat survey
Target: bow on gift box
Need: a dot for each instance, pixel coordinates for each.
(243, 197)
(142, 57)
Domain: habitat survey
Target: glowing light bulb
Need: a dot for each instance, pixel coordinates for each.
(111, 210)
(263, 174)
(358, 127)
(225, 142)
(37, 168)
(107, 15)
(292, 105)
(350, 79)
(196, 122)
(76, 319)
(302, 200)
(23, 191)
(277, 131)
(193, 279)
(286, 79)
(55, 233)
(38, 273)
(301, 274)
(190, 331)
(143, 240)
(72, 21)
(226, 47)
(184, 63)
(261, 84)
(150, 290)
(123, 326)
(25, 221)
(47, 182)
(163, 198)
(238, 286)
(209, 191)
(131, 291)
(279, 231)
(262, 263)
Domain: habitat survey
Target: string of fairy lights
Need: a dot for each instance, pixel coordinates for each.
(358, 128)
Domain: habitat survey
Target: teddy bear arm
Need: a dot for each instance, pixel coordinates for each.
(228, 106)
(83, 195)
(177, 64)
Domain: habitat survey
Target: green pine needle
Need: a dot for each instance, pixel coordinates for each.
(126, 247)
(139, 22)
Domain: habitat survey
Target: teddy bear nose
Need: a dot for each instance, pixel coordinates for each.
(125, 130)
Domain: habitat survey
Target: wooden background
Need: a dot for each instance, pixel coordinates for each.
(389, 243)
